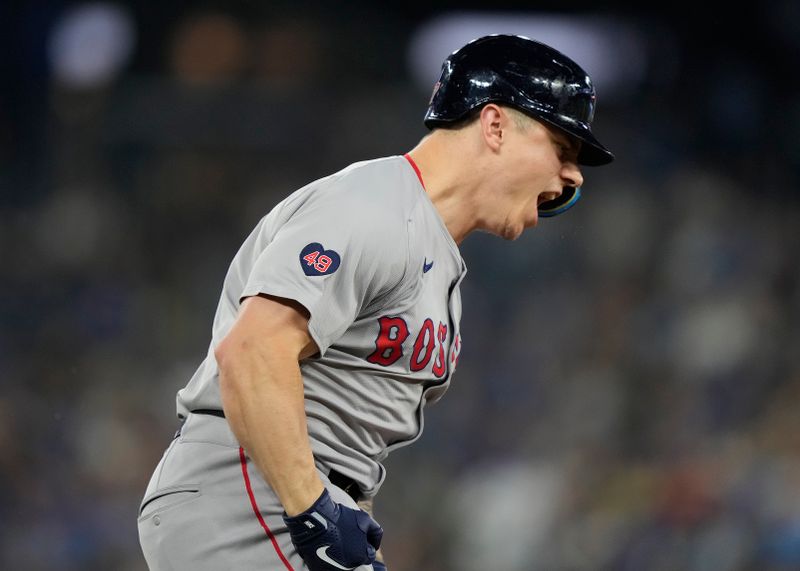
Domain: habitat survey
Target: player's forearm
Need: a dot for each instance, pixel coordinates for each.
(262, 394)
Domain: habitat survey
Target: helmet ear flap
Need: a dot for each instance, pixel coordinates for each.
(569, 196)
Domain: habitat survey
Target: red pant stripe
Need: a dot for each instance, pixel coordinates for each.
(243, 460)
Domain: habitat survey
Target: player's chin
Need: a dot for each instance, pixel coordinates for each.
(513, 231)
(533, 219)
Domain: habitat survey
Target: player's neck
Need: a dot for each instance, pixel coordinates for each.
(449, 175)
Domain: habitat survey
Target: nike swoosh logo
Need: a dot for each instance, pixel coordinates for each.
(426, 266)
(322, 553)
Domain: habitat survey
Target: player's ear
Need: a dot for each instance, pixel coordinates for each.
(493, 123)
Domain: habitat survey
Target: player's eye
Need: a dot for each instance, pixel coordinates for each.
(566, 152)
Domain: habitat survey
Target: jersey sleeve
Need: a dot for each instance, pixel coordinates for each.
(333, 257)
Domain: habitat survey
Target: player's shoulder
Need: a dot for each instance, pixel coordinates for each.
(373, 196)
(383, 166)
(377, 191)
(374, 181)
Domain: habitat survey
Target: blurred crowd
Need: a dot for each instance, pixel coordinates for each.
(627, 397)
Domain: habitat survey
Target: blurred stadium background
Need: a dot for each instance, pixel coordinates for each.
(628, 396)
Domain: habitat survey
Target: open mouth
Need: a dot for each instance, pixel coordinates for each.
(560, 204)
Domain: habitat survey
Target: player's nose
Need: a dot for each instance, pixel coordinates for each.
(571, 174)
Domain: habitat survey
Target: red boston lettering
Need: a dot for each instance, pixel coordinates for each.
(389, 344)
(426, 339)
(440, 366)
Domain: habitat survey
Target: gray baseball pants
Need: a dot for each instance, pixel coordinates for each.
(207, 507)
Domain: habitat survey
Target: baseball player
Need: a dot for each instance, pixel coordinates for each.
(339, 321)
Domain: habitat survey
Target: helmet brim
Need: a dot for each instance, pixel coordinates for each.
(593, 153)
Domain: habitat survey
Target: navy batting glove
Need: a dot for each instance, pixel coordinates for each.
(332, 537)
(378, 566)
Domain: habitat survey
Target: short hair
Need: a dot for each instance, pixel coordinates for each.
(521, 120)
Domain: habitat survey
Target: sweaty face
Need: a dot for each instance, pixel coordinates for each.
(536, 163)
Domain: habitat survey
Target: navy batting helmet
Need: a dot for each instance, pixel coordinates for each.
(529, 76)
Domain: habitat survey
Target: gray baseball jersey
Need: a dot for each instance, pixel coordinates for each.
(367, 254)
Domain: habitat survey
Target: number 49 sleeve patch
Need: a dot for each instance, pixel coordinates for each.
(317, 261)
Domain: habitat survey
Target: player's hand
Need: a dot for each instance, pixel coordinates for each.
(332, 537)
(379, 566)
